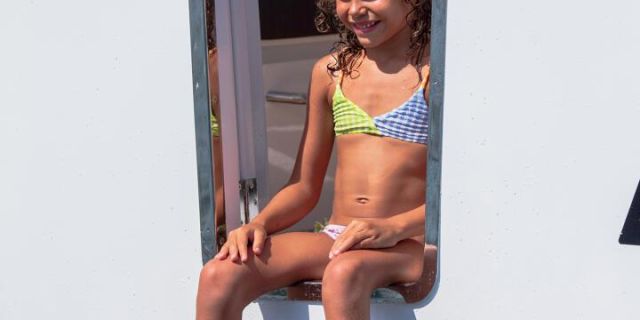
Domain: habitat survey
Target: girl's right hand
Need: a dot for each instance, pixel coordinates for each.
(238, 242)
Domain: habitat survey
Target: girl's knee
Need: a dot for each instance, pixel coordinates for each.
(219, 289)
(218, 279)
(345, 273)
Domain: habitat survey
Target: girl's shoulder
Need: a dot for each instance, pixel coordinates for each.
(322, 78)
(321, 70)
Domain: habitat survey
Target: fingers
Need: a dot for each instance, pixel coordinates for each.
(259, 238)
(351, 236)
(364, 244)
(338, 243)
(237, 246)
(344, 235)
(230, 248)
(348, 242)
(233, 250)
(241, 242)
(224, 252)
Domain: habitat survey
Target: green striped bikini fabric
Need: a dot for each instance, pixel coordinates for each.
(349, 118)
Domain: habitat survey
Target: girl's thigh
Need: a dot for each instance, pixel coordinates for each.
(380, 267)
(286, 258)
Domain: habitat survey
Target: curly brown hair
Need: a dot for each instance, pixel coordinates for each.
(348, 49)
(210, 21)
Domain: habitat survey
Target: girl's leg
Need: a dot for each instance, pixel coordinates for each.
(226, 287)
(350, 278)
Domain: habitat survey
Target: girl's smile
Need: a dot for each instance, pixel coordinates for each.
(374, 22)
(364, 27)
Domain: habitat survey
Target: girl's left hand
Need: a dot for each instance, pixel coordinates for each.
(365, 234)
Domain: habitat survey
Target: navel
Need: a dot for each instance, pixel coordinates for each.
(362, 200)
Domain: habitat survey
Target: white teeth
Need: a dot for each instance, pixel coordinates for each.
(367, 25)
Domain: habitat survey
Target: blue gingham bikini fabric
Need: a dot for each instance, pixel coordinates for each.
(408, 122)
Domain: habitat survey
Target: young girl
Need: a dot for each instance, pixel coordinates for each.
(369, 98)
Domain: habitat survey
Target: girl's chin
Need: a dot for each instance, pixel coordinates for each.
(368, 43)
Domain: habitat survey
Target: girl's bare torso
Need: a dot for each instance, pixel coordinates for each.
(378, 177)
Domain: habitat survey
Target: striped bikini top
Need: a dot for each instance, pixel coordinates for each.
(408, 122)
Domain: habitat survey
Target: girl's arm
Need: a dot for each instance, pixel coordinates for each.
(408, 224)
(302, 192)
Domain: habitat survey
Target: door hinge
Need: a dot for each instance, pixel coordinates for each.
(248, 199)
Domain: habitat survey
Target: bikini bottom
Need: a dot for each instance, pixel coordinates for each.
(333, 230)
